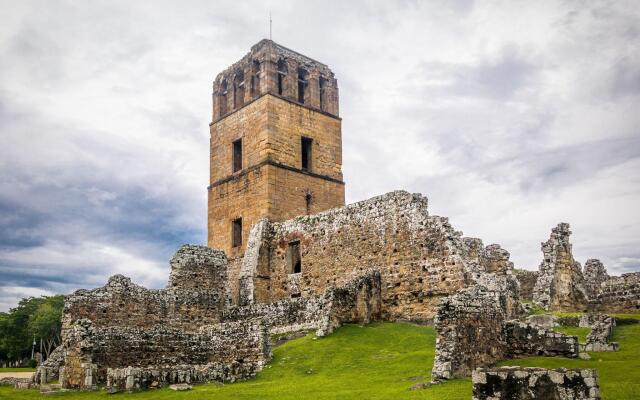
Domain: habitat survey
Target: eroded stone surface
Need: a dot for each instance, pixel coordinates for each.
(560, 284)
(508, 383)
(527, 281)
(474, 330)
(618, 294)
(599, 339)
(420, 257)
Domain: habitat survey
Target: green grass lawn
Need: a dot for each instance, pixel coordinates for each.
(619, 371)
(581, 333)
(379, 361)
(17, 369)
(372, 362)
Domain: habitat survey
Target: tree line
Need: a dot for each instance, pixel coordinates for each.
(35, 319)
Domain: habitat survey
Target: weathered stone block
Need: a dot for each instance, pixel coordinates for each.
(508, 383)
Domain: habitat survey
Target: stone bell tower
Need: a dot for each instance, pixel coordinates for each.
(276, 144)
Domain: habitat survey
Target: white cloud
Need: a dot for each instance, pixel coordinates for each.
(509, 116)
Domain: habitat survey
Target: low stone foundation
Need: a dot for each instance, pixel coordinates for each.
(525, 340)
(508, 383)
(132, 379)
(600, 335)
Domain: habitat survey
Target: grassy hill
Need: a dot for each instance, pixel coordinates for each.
(379, 361)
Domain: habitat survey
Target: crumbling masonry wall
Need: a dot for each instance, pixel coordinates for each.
(560, 284)
(527, 281)
(124, 325)
(197, 295)
(227, 351)
(474, 330)
(620, 294)
(420, 257)
(594, 274)
(507, 383)
(469, 327)
(359, 301)
(599, 339)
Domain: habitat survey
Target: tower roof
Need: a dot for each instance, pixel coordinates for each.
(286, 52)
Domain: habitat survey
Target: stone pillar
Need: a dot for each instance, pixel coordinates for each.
(90, 375)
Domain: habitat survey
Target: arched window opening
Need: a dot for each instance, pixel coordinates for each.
(302, 83)
(223, 97)
(282, 72)
(255, 78)
(238, 89)
(322, 82)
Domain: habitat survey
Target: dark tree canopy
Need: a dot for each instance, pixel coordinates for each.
(38, 317)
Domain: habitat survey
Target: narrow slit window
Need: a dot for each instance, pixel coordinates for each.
(236, 232)
(282, 71)
(302, 84)
(321, 86)
(306, 145)
(294, 260)
(237, 155)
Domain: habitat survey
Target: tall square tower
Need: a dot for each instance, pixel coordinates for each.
(276, 144)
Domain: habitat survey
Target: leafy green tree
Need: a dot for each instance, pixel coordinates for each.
(34, 316)
(45, 323)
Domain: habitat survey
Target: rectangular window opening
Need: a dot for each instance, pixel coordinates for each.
(237, 155)
(301, 85)
(294, 260)
(306, 148)
(321, 84)
(280, 78)
(236, 232)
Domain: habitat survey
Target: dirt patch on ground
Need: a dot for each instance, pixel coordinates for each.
(15, 375)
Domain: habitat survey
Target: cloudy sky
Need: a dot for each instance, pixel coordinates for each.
(510, 116)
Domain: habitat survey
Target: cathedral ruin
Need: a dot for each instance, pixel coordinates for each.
(286, 254)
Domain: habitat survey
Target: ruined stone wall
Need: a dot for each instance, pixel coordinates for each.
(289, 315)
(527, 280)
(527, 339)
(233, 272)
(599, 339)
(619, 295)
(418, 256)
(470, 335)
(594, 274)
(197, 295)
(507, 383)
(474, 330)
(560, 284)
(125, 325)
(231, 350)
(132, 378)
(479, 259)
(358, 301)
